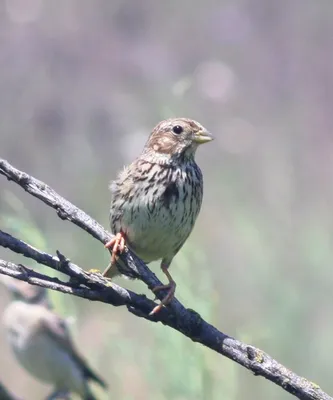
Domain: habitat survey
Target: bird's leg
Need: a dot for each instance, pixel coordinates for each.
(118, 245)
(171, 292)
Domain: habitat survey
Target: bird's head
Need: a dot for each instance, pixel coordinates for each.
(177, 139)
(25, 292)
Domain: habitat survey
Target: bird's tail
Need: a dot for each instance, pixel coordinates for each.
(89, 396)
(90, 374)
(88, 393)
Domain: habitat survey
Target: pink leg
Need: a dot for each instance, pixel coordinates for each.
(118, 245)
(171, 293)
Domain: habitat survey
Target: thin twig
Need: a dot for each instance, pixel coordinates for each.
(95, 287)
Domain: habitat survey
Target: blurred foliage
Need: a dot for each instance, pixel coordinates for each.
(81, 85)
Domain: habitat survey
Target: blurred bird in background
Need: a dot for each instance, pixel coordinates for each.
(42, 343)
(157, 198)
(5, 394)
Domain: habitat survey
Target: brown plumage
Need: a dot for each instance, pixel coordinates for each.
(42, 343)
(157, 198)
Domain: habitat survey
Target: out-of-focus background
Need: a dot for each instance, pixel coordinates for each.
(83, 82)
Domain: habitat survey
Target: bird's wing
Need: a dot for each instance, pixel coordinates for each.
(56, 328)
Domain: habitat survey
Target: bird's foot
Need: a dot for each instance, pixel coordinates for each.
(171, 286)
(118, 245)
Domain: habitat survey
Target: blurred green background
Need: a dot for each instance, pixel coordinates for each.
(82, 83)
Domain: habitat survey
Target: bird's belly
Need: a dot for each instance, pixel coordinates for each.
(42, 358)
(156, 220)
(154, 237)
(151, 245)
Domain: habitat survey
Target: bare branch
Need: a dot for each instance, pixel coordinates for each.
(81, 283)
(95, 287)
(128, 262)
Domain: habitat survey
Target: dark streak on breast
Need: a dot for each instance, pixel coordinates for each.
(151, 208)
(171, 193)
(152, 178)
(142, 177)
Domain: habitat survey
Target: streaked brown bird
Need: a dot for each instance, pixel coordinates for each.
(41, 341)
(157, 198)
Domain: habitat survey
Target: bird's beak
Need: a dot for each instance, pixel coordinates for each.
(203, 136)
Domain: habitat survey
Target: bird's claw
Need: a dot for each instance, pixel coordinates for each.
(118, 245)
(167, 299)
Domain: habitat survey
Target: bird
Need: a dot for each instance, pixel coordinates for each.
(41, 341)
(156, 200)
(5, 394)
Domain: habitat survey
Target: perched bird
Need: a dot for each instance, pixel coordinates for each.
(156, 199)
(41, 341)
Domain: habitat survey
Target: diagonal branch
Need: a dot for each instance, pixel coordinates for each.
(128, 262)
(80, 283)
(95, 287)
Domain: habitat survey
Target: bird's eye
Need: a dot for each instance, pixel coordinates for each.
(177, 129)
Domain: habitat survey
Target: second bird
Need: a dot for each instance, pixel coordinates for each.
(42, 342)
(157, 198)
